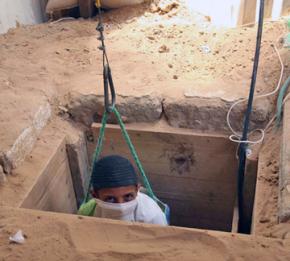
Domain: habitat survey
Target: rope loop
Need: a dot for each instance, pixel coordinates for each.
(109, 87)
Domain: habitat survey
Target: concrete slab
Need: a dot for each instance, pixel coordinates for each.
(88, 108)
(200, 107)
(207, 111)
(19, 142)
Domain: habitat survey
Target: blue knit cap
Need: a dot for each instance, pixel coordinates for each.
(113, 171)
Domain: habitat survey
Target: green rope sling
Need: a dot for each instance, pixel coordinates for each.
(91, 206)
(88, 206)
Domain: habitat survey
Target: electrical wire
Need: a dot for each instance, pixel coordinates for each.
(243, 226)
(236, 137)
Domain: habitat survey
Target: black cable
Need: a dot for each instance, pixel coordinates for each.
(243, 227)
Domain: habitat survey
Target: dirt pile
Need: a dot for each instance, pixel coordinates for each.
(162, 58)
(62, 237)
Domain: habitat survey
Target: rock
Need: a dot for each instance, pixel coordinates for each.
(275, 169)
(195, 113)
(264, 220)
(87, 109)
(146, 14)
(151, 37)
(157, 32)
(153, 8)
(261, 111)
(286, 235)
(163, 49)
(23, 144)
(5, 163)
(170, 65)
(165, 6)
(209, 114)
(269, 163)
(2, 175)
(62, 109)
(147, 108)
(175, 77)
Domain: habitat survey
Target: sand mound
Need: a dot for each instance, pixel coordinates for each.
(64, 237)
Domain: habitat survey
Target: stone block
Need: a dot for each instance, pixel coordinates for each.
(210, 114)
(88, 108)
(23, 144)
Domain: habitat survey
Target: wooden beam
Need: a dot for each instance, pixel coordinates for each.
(286, 8)
(268, 8)
(247, 12)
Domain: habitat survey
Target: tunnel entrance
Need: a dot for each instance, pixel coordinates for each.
(194, 173)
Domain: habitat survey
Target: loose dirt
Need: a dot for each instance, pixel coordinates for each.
(62, 237)
(150, 51)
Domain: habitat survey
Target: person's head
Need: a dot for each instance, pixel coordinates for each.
(114, 180)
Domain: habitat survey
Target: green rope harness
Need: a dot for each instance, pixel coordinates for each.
(96, 156)
(110, 108)
(134, 154)
(131, 147)
(98, 149)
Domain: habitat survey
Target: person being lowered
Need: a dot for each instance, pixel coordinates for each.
(116, 195)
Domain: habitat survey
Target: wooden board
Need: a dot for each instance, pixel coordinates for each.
(286, 7)
(79, 166)
(53, 190)
(247, 11)
(268, 8)
(195, 174)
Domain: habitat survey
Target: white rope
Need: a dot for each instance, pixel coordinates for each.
(236, 137)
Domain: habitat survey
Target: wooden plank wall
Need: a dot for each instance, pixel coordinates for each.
(194, 174)
(53, 190)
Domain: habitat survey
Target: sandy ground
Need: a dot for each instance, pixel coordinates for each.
(19, 183)
(267, 185)
(64, 237)
(149, 52)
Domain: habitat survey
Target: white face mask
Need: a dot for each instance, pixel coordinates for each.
(120, 211)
